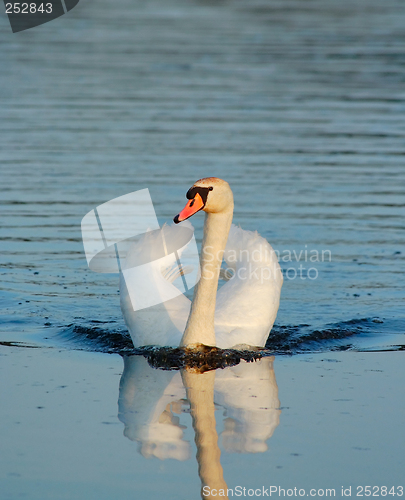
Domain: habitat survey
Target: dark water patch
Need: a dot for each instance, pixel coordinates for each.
(19, 344)
(392, 347)
(97, 339)
(301, 338)
(283, 339)
(341, 336)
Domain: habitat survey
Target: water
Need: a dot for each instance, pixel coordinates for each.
(298, 105)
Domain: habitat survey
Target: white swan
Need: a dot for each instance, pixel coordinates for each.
(243, 311)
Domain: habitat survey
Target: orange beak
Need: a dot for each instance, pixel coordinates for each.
(192, 207)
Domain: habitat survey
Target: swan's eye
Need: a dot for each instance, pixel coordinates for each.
(202, 191)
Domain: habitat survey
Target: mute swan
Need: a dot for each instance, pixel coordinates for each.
(243, 310)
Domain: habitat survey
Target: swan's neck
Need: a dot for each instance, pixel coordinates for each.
(200, 324)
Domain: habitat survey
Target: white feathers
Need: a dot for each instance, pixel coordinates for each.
(246, 304)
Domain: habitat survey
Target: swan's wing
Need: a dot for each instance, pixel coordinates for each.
(175, 271)
(160, 323)
(247, 304)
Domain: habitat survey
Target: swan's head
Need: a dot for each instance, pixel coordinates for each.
(211, 194)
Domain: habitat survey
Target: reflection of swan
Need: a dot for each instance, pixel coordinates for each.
(200, 393)
(152, 402)
(249, 394)
(243, 311)
(147, 402)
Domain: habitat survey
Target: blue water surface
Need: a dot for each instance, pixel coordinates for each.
(300, 106)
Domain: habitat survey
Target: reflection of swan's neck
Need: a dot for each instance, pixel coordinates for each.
(200, 324)
(200, 393)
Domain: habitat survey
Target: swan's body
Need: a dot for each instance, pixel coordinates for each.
(243, 310)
